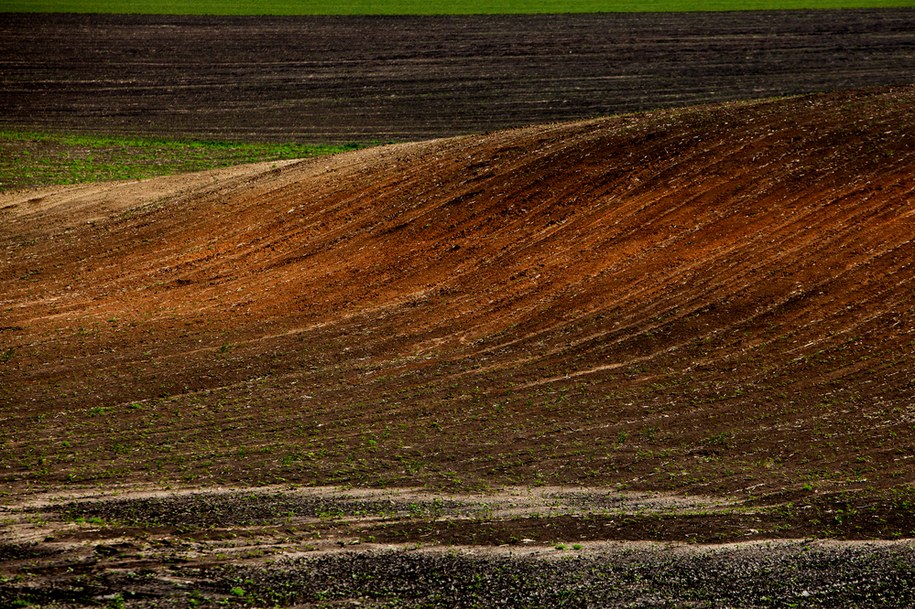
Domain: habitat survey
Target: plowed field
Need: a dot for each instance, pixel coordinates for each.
(712, 300)
(341, 79)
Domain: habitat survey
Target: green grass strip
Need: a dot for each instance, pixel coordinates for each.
(30, 159)
(422, 7)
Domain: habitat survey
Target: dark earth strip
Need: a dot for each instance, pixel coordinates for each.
(210, 510)
(779, 576)
(888, 514)
(398, 549)
(339, 79)
(774, 574)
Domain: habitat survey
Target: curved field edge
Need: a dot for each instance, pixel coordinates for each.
(418, 7)
(714, 300)
(29, 159)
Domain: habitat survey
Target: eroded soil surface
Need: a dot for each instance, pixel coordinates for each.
(342, 79)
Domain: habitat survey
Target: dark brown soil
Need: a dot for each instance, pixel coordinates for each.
(404, 78)
(779, 574)
(714, 300)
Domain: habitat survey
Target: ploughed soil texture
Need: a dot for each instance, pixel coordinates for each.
(342, 79)
(597, 346)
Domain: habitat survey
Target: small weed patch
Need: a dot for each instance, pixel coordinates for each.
(29, 159)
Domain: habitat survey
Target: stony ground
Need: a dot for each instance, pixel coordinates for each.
(332, 547)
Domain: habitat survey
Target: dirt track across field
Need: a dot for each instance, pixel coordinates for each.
(337, 79)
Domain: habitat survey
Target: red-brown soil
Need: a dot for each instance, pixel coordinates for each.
(713, 300)
(341, 79)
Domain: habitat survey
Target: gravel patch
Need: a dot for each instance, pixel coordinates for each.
(775, 574)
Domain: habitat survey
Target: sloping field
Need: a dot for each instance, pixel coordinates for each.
(713, 300)
(417, 7)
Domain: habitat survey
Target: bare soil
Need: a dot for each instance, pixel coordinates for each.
(522, 547)
(342, 79)
(672, 329)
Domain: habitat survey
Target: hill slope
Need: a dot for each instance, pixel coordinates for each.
(715, 299)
